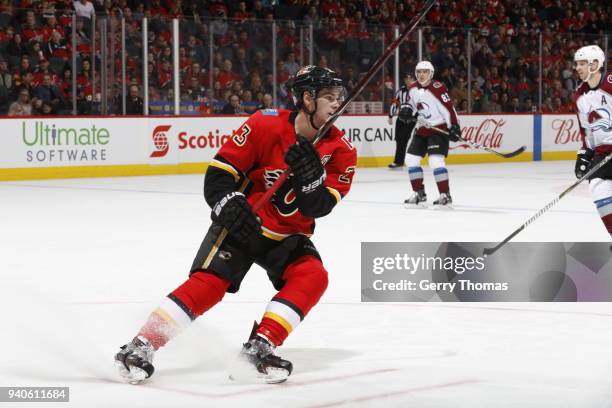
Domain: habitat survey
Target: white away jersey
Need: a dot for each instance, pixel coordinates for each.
(434, 105)
(594, 110)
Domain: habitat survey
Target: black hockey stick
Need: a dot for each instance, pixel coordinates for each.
(489, 251)
(330, 120)
(479, 146)
(354, 93)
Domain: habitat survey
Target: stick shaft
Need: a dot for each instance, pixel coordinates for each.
(592, 171)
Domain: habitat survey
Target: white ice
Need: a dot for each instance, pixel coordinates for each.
(84, 261)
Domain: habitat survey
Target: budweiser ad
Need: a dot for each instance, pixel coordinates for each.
(560, 133)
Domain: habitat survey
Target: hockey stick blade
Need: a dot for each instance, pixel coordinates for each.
(478, 146)
(514, 153)
(593, 170)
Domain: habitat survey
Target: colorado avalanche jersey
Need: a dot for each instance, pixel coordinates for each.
(594, 110)
(255, 156)
(434, 105)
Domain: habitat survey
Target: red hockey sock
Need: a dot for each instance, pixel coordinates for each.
(607, 220)
(305, 283)
(441, 177)
(194, 297)
(416, 178)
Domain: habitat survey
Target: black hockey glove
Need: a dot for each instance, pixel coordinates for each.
(454, 133)
(583, 162)
(235, 213)
(305, 164)
(406, 115)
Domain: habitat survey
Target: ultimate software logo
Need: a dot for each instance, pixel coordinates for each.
(160, 140)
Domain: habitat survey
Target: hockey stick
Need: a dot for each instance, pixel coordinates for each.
(476, 145)
(330, 120)
(489, 251)
(354, 93)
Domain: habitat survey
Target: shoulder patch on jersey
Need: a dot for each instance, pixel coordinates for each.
(437, 84)
(609, 79)
(270, 112)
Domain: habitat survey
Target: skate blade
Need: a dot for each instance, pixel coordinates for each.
(249, 375)
(420, 206)
(445, 207)
(133, 376)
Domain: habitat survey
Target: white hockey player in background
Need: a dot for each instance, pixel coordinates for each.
(430, 100)
(593, 103)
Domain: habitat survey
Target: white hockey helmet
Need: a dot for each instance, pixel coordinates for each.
(424, 65)
(590, 54)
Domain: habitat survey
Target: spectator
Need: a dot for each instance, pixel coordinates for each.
(233, 107)
(266, 102)
(16, 47)
(84, 8)
(134, 103)
(47, 91)
(22, 106)
(56, 46)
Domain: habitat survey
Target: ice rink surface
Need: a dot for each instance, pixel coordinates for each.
(84, 261)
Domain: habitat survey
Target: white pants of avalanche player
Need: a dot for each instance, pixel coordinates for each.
(601, 191)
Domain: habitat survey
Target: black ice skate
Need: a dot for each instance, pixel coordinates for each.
(418, 200)
(394, 166)
(259, 354)
(444, 202)
(135, 360)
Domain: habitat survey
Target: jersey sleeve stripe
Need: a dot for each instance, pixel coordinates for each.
(335, 193)
(227, 167)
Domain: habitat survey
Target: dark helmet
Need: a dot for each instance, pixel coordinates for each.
(312, 79)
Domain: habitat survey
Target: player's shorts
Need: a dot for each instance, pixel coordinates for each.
(233, 259)
(605, 172)
(434, 144)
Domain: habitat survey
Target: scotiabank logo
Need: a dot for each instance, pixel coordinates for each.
(160, 141)
(202, 141)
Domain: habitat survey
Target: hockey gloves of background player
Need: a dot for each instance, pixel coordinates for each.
(406, 115)
(583, 162)
(235, 213)
(305, 164)
(454, 133)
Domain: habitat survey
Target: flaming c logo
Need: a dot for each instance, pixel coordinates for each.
(160, 140)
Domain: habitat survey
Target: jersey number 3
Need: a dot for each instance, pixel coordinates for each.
(240, 136)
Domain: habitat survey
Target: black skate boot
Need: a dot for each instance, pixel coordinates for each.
(394, 166)
(135, 360)
(259, 353)
(444, 202)
(418, 200)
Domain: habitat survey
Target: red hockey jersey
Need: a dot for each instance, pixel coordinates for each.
(256, 152)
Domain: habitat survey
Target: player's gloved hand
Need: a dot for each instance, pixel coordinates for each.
(235, 213)
(583, 162)
(422, 122)
(454, 133)
(406, 115)
(305, 164)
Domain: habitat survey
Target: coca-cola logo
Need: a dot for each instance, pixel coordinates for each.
(566, 131)
(488, 133)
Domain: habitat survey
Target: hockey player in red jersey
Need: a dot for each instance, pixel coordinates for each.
(276, 238)
(431, 102)
(593, 104)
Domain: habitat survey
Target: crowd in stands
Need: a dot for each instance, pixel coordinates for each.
(36, 51)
